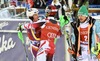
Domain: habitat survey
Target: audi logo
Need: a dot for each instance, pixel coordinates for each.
(51, 35)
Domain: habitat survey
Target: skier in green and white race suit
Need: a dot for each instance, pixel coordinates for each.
(84, 36)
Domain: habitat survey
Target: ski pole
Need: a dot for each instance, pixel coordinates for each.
(20, 36)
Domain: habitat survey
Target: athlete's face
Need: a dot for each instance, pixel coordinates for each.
(35, 16)
(82, 18)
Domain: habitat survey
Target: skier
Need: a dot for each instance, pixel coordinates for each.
(32, 14)
(84, 34)
(49, 31)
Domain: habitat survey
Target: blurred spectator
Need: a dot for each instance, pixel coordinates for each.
(59, 7)
(83, 2)
(13, 2)
(93, 2)
(39, 4)
(64, 6)
(31, 3)
(48, 2)
(23, 3)
(79, 3)
(19, 2)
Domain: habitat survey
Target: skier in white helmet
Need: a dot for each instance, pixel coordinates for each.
(32, 14)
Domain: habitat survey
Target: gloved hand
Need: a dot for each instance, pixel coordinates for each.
(98, 56)
(57, 6)
(65, 17)
(63, 20)
(19, 28)
(71, 51)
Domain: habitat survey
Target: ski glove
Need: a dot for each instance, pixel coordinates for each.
(71, 51)
(98, 56)
(57, 6)
(64, 20)
(20, 28)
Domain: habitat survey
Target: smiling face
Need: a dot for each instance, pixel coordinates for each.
(35, 17)
(82, 18)
(82, 13)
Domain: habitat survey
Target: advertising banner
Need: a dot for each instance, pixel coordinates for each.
(11, 48)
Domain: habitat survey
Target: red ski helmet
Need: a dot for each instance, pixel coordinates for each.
(51, 10)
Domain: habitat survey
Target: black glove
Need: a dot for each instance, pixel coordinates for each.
(65, 17)
(19, 28)
(57, 6)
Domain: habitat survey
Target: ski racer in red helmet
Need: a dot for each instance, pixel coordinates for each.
(49, 31)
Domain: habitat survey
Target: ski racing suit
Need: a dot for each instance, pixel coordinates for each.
(49, 31)
(32, 41)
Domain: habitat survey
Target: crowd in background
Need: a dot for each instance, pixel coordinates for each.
(41, 3)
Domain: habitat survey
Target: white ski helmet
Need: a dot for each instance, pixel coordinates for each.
(31, 12)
